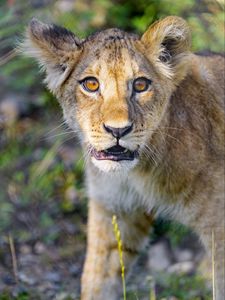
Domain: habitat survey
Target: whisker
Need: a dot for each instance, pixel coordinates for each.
(176, 139)
(150, 153)
(56, 135)
(149, 156)
(57, 127)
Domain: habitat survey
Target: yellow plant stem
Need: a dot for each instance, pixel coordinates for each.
(120, 250)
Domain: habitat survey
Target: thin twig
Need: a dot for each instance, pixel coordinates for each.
(213, 265)
(14, 260)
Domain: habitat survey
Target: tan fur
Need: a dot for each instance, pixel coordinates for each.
(178, 129)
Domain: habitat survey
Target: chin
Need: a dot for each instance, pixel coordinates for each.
(110, 166)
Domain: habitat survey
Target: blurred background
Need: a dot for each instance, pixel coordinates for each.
(43, 205)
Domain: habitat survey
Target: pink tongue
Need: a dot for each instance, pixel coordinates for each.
(101, 154)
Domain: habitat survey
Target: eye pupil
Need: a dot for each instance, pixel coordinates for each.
(90, 84)
(141, 84)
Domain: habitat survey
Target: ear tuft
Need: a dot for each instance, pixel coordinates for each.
(54, 47)
(168, 41)
(53, 34)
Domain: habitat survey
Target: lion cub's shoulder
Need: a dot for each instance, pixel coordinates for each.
(211, 67)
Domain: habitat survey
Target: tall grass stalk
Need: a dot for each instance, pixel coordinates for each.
(152, 294)
(213, 265)
(120, 250)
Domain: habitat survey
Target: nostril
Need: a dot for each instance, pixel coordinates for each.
(126, 130)
(107, 128)
(118, 132)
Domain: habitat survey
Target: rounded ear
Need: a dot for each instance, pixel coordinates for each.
(168, 41)
(54, 47)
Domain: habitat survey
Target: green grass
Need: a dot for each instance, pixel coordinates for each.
(182, 287)
(20, 296)
(34, 176)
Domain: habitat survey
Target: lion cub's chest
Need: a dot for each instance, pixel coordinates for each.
(127, 193)
(122, 192)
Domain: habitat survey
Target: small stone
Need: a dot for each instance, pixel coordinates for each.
(53, 277)
(65, 296)
(28, 279)
(50, 294)
(46, 286)
(62, 296)
(182, 255)
(160, 257)
(185, 267)
(39, 248)
(26, 260)
(25, 249)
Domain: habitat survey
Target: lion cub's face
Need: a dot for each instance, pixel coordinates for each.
(115, 94)
(113, 87)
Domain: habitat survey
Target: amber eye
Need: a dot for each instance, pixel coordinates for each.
(141, 84)
(90, 84)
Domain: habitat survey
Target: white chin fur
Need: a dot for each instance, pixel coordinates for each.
(114, 166)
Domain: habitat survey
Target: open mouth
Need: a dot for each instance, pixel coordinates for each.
(115, 153)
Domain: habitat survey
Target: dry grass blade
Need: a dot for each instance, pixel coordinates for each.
(213, 265)
(46, 162)
(14, 260)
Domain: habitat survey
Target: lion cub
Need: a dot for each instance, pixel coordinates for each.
(150, 115)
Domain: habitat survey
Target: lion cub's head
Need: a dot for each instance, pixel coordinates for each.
(114, 87)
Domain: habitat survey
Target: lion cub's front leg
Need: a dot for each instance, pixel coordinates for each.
(101, 277)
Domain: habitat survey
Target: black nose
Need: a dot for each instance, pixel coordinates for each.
(118, 132)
